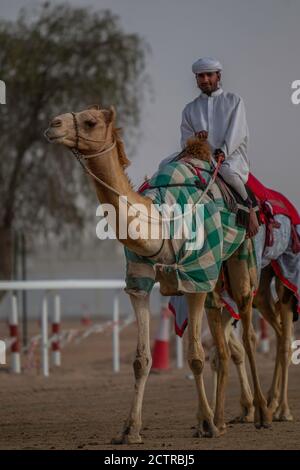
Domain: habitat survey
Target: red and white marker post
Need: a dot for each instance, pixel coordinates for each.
(55, 346)
(14, 334)
(161, 350)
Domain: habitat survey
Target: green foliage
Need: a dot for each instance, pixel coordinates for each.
(54, 60)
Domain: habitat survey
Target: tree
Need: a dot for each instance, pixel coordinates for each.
(55, 59)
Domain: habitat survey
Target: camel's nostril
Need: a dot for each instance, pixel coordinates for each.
(56, 123)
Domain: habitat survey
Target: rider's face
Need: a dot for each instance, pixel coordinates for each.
(208, 81)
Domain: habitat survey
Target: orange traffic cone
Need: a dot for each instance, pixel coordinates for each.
(161, 350)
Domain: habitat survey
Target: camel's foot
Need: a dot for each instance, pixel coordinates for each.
(262, 416)
(283, 414)
(246, 416)
(207, 428)
(127, 439)
(221, 426)
(128, 436)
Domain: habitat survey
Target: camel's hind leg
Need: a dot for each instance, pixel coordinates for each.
(286, 313)
(142, 365)
(241, 288)
(196, 359)
(237, 352)
(264, 302)
(222, 356)
(239, 358)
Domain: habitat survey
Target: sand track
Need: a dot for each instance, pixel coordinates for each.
(83, 405)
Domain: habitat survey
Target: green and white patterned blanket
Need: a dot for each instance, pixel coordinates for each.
(194, 270)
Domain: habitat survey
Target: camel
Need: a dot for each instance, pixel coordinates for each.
(93, 138)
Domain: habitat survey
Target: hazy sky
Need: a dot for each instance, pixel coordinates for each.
(258, 42)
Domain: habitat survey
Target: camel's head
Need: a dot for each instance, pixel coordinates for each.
(89, 131)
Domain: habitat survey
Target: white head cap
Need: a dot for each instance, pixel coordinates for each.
(206, 64)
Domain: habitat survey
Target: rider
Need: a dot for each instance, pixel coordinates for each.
(220, 117)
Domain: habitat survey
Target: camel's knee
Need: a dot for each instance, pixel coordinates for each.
(196, 365)
(238, 359)
(196, 361)
(196, 357)
(142, 366)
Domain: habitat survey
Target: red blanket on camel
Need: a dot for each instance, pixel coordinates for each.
(280, 204)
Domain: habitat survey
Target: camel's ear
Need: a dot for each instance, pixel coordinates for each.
(109, 115)
(113, 114)
(94, 106)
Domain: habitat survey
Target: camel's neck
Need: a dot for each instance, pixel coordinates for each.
(108, 169)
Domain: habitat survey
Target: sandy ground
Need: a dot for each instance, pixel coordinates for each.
(83, 404)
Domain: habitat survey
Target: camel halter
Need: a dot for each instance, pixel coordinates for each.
(81, 157)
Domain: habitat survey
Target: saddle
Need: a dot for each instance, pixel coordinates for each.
(235, 203)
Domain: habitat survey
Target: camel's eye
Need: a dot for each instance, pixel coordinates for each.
(90, 124)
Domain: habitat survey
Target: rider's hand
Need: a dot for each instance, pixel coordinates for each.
(202, 135)
(219, 155)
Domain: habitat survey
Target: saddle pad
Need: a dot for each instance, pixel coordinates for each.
(195, 270)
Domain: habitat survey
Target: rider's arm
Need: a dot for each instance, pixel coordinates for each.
(186, 128)
(237, 132)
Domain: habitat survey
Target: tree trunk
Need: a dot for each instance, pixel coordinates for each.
(6, 255)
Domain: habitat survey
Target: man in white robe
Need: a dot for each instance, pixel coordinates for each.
(220, 116)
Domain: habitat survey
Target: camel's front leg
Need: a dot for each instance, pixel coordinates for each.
(214, 316)
(196, 359)
(141, 366)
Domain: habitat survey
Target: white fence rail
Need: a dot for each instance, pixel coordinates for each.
(48, 286)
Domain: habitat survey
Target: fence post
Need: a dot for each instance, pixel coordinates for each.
(2, 352)
(161, 348)
(44, 337)
(116, 346)
(55, 346)
(179, 352)
(14, 334)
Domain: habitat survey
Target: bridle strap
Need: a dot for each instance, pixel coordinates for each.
(101, 152)
(78, 136)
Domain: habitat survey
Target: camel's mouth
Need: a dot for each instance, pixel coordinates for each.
(53, 137)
